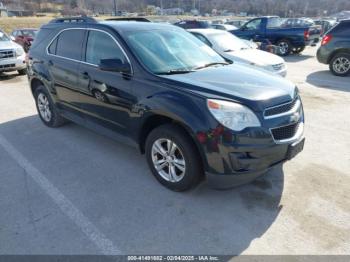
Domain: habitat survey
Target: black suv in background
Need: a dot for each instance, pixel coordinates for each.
(335, 49)
(157, 87)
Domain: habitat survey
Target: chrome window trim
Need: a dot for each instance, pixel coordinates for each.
(83, 62)
(295, 108)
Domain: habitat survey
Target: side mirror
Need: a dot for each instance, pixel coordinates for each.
(12, 38)
(114, 65)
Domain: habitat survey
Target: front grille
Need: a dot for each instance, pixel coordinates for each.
(285, 132)
(7, 54)
(276, 110)
(278, 67)
(7, 66)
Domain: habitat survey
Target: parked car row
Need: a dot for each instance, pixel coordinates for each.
(159, 88)
(234, 49)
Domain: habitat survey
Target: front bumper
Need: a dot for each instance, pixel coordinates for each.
(235, 158)
(12, 64)
(250, 165)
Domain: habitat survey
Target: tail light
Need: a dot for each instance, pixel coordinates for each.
(326, 39)
(306, 34)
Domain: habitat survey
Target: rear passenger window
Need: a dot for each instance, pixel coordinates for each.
(69, 44)
(102, 46)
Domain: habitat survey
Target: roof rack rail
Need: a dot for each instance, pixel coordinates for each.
(77, 19)
(134, 19)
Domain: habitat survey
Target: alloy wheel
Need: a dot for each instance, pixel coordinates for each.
(284, 47)
(44, 107)
(341, 65)
(168, 160)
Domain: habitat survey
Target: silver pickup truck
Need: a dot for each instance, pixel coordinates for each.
(12, 55)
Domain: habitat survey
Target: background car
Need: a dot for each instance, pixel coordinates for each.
(12, 56)
(335, 49)
(325, 24)
(224, 27)
(289, 39)
(236, 23)
(189, 24)
(24, 37)
(234, 49)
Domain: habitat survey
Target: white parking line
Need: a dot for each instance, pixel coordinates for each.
(99, 239)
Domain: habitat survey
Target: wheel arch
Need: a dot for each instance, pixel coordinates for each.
(337, 51)
(157, 120)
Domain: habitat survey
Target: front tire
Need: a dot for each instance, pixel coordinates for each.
(173, 158)
(285, 47)
(46, 108)
(340, 64)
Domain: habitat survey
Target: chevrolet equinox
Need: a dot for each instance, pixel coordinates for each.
(159, 88)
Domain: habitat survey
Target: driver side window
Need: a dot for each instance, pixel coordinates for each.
(253, 25)
(101, 46)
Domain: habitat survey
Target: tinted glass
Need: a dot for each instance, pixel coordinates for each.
(102, 46)
(342, 28)
(70, 43)
(52, 47)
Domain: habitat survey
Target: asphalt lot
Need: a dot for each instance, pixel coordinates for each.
(71, 191)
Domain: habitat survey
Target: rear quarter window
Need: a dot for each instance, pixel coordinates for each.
(342, 28)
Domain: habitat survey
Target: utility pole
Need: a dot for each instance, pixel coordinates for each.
(161, 7)
(115, 7)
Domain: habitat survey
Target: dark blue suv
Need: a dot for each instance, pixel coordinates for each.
(159, 88)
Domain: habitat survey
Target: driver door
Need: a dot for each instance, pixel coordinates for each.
(105, 96)
(252, 30)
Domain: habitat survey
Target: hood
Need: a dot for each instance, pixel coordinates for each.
(8, 45)
(254, 56)
(254, 88)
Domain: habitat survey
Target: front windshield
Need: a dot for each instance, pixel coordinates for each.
(228, 42)
(4, 37)
(163, 51)
(30, 33)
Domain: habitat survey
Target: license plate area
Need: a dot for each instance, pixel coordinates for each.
(295, 149)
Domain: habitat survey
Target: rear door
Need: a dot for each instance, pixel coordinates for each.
(65, 55)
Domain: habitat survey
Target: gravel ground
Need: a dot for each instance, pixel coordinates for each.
(71, 191)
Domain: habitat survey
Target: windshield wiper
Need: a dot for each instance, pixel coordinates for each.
(211, 64)
(175, 71)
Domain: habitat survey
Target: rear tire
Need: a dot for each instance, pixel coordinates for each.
(46, 108)
(179, 170)
(285, 47)
(340, 64)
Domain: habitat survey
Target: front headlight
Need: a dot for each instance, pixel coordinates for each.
(19, 52)
(232, 115)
